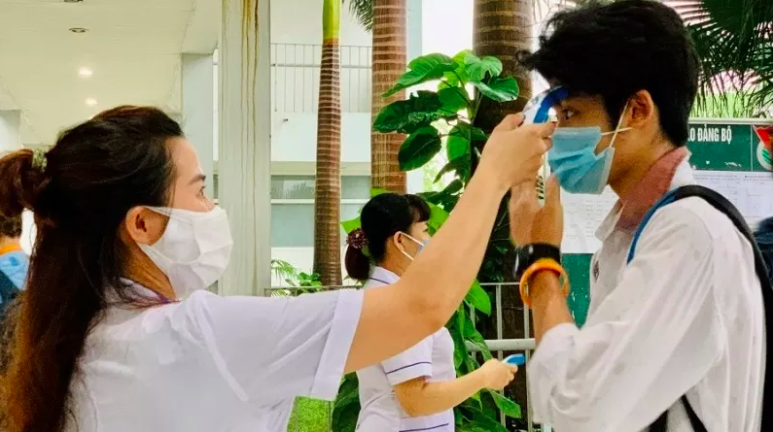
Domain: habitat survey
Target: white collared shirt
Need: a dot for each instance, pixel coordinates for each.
(211, 363)
(432, 358)
(684, 317)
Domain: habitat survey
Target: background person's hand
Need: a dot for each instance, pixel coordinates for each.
(514, 152)
(530, 223)
(497, 375)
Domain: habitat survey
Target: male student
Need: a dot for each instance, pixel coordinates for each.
(685, 316)
(14, 262)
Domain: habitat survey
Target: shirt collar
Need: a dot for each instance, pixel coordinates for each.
(10, 248)
(671, 171)
(384, 276)
(140, 290)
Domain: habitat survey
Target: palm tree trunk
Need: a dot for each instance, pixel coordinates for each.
(501, 28)
(327, 200)
(389, 60)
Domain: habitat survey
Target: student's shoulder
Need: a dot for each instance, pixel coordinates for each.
(699, 218)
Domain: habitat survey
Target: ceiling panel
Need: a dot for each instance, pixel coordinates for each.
(132, 46)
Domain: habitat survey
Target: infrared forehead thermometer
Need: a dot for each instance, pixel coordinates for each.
(538, 110)
(516, 359)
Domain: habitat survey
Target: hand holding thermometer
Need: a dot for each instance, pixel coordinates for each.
(516, 359)
(538, 111)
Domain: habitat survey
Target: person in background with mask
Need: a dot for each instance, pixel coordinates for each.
(14, 262)
(675, 334)
(116, 332)
(417, 389)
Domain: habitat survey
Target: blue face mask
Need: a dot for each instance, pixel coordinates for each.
(574, 161)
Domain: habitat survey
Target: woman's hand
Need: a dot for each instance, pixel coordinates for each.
(514, 152)
(420, 397)
(497, 375)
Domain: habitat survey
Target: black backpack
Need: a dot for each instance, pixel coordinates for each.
(723, 205)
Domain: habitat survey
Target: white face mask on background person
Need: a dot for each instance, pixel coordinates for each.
(421, 244)
(194, 250)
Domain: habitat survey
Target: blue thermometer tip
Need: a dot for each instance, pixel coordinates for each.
(516, 359)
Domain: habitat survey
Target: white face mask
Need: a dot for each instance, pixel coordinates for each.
(194, 250)
(421, 244)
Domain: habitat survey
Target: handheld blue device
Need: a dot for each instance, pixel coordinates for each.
(516, 359)
(538, 111)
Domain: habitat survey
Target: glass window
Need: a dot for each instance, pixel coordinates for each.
(292, 225)
(292, 187)
(302, 187)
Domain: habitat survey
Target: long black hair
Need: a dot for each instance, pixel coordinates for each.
(80, 192)
(381, 218)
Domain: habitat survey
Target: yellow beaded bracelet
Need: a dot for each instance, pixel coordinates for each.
(544, 264)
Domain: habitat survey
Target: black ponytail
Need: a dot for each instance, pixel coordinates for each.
(381, 218)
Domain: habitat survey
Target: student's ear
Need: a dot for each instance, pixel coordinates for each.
(641, 110)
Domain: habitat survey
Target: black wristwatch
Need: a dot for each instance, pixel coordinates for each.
(527, 255)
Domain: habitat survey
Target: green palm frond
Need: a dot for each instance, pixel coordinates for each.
(734, 40)
(363, 11)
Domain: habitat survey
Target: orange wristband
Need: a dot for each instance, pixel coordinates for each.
(539, 266)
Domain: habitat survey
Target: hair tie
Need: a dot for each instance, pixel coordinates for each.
(357, 239)
(39, 161)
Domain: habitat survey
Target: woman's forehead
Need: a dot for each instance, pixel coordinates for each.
(185, 158)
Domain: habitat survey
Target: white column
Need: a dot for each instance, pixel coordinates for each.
(415, 178)
(10, 136)
(198, 108)
(244, 163)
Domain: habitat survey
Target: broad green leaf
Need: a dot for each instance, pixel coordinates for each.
(422, 69)
(374, 192)
(466, 57)
(452, 99)
(477, 340)
(472, 427)
(420, 110)
(437, 217)
(347, 393)
(347, 405)
(508, 407)
(483, 420)
(499, 89)
(351, 225)
(473, 134)
(453, 187)
(449, 202)
(479, 299)
(477, 71)
(458, 144)
(459, 353)
(462, 167)
(419, 148)
(345, 418)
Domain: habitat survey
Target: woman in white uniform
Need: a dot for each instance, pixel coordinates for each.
(417, 389)
(115, 331)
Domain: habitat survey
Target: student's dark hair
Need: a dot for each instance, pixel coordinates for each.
(381, 218)
(80, 192)
(10, 226)
(616, 50)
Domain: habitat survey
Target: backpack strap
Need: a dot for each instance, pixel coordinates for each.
(720, 203)
(8, 290)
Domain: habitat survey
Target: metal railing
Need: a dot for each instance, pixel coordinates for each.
(498, 346)
(295, 72)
